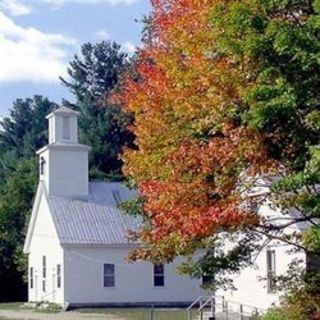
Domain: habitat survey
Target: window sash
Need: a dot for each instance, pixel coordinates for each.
(31, 278)
(158, 275)
(44, 267)
(108, 275)
(271, 270)
(58, 276)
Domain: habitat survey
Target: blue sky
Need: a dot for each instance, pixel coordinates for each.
(39, 37)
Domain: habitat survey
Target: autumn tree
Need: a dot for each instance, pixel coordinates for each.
(225, 88)
(192, 143)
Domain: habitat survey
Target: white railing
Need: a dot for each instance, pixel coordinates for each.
(216, 307)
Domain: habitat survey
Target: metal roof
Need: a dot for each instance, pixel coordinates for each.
(96, 220)
(62, 110)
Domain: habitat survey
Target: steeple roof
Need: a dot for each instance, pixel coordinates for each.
(62, 111)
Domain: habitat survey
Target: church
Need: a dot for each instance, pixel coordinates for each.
(77, 242)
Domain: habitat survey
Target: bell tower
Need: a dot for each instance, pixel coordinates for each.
(63, 163)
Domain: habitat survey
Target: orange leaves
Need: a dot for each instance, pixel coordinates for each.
(192, 146)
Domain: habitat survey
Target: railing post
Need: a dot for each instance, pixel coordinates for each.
(241, 312)
(152, 313)
(189, 315)
(213, 308)
(226, 309)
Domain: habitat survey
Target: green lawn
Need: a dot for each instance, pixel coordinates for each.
(141, 314)
(11, 306)
(125, 314)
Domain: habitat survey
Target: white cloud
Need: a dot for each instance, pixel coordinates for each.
(112, 2)
(129, 47)
(102, 34)
(15, 7)
(28, 54)
(23, 7)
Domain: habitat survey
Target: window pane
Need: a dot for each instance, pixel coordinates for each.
(158, 269)
(31, 278)
(44, 267)
(271, 260)
(108, 275)
(108, 269)
(158, 275)
(109, 281)
(66, 127)
(206, 279)
(58, 276)
(271, 270)
(158, 281)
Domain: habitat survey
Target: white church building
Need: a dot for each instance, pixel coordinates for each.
(76, 241)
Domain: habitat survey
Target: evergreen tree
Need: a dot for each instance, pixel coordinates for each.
(93, 76)
(22, 133)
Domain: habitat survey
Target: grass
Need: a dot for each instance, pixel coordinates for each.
(141, 314)
(12, 306)
(121, 313)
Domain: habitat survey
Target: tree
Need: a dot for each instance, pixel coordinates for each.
(16, 199)
(225, 88)
(103, 126)
(22, 133)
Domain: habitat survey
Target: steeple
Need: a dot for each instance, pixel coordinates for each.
(64, 162)
(63, 125)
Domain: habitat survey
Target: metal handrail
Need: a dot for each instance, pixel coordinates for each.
(194, 302)
(213, 300)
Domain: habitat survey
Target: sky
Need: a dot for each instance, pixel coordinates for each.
(39, 37)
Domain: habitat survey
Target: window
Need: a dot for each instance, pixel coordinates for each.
(31, 278)
(44, 267)
(44, 273)
(207, 280)
(42, 165)
(58, 275)
(108, 275)
(158, 275)
(271, 270)
(66, 128)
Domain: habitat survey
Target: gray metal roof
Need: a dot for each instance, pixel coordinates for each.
(96, 220)
(62, 110)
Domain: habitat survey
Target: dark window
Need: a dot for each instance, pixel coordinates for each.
(42, 165)
(207, 280)
(44, 285)
(108, 275)
(271, 270)
(58, 275)
(158, 275)
(31, 278)
(44, 267)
